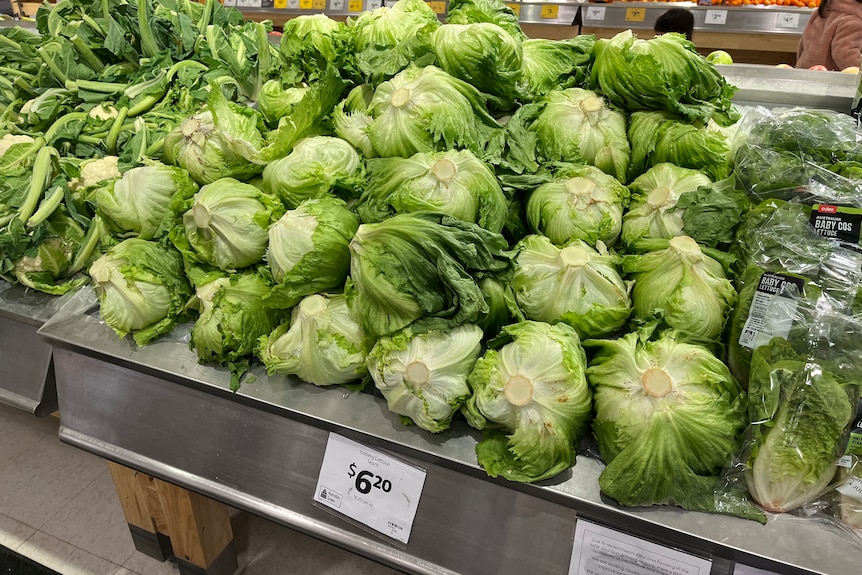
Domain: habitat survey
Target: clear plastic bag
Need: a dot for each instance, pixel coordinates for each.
(786, 261)
(799, 154)
(803, 393)
(847, 502)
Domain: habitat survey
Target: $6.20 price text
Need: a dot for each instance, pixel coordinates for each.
(366, 481)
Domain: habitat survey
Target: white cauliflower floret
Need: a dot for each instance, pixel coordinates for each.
(9, 140)
(95, 172)
(101, 112)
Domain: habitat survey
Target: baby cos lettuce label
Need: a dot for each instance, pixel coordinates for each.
(837, 222)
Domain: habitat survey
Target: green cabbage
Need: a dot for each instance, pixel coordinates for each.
(482, 54)
(352, 122)
(493, 11)
(227, 225)
(653, 212)
(456, 183)
(308, 250)
(308, 43)
(141, 288)
(418, 264)
(196, 145)
(316, 167)
(576, 284)
(232, 318)
(582, 203)
(555, 64)
(502, 306)
(576, 125)
(712, 213)
(422, 370)
(321, 344)
(423, 109)
(662, 73)
(236, 129)
(276, 102)
(658, 137)
(389, 39)
(139, 203)
(681, 284)
(669, 417)
(530, 395)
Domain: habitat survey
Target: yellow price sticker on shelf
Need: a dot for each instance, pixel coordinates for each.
(550, 12)
(354, 6)
(305, 4)
(516, 8)
(635, 14)
(437, 7)
(318, 5)
(280, 4)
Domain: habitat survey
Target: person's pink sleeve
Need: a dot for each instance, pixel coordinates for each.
(847, 45)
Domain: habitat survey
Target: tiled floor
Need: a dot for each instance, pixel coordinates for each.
(58, 507)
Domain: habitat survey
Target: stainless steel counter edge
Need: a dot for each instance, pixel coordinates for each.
(27, 378)
(343, 538)
(365, 418)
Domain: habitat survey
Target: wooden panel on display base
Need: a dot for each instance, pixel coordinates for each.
(167, 520)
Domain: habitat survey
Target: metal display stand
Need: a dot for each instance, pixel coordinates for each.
(175, 432)
(771, 87)
(157, 410)
(27, 377)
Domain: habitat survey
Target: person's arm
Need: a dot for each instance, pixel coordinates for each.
(847, 45)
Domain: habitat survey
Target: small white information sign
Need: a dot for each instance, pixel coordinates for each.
(249, 3)
(230, 2)
(786, 20)
(595, 13)
(370, 487)
(373, 4)
(599, 550)
(336, 5)
(852, 488)
(716, 17)
(293, 4)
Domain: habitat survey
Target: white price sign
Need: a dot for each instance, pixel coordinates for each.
(852, 488)
(293, 4)
(786, 20)
(373, 4)
(595, 13)
(370, 487)
(602, 550)
(336, 5)
(716, 17)
(230, 2)
(249, 3)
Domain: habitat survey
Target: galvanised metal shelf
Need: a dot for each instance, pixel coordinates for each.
(157, 410)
